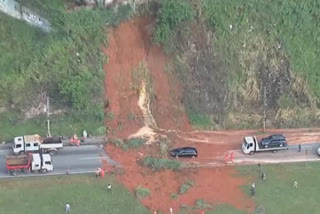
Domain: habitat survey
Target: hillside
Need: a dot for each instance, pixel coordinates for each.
(222, 62)
(233, 55)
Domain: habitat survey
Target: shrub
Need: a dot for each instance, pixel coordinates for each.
(120, 144)
(185, 187)
(202, 204)
(142, 192)
(157, 163)
(163, 148)
(171, 14)
(135, 142)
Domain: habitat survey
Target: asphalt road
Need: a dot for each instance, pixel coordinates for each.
(308, 154)
(83, 159)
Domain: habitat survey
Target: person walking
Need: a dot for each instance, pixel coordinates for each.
(295, 184)
(299, 147)
(68, 207)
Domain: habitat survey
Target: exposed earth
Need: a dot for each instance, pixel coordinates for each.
(143, 100)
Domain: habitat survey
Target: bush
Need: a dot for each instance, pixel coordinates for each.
(185, 187)
(120, 144)
(135, 142)
(142, 192)
(157, 163)
(202, 204)
(163, 148)
(170, 15)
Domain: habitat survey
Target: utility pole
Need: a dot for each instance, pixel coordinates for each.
(48, 116)
(264, 108)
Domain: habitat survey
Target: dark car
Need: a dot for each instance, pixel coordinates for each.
(276, 140)
(184, 152)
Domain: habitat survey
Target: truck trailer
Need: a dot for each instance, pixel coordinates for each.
(34, 143)
(272, 143)
(16, 164)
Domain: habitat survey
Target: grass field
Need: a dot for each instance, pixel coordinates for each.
(85, 193)
(277, 194)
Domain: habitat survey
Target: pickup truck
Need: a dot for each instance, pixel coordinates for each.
(272, 143)
(16, 164)
(34, 143)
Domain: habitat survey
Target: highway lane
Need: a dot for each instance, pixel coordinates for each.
(82, 159)
(308, 154)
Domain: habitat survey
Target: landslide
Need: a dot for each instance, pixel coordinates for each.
(235, 60)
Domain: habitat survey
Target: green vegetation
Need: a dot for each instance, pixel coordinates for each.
(158, 163)
(49, 195)
(237, 49)
(62, 125)
(277, 193)
(185, 187)
(142, 192)
(65, 64)
(132, 143)
(200, 121)
(170, 15)
(135, 142)
(163, 147)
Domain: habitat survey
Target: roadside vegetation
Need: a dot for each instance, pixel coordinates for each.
(234, 56)
(49, 195)
(65, 65)
(159, 163)
(127, 144)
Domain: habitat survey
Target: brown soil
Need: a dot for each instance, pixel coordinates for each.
(129, 46)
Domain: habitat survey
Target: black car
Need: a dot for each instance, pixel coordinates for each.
(184, 152)
(276, 140)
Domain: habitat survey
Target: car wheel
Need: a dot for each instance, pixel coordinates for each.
(22, 153)
(44, 171)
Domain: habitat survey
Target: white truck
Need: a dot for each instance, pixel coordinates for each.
(29, 163)
(272, 143)
(34, 143)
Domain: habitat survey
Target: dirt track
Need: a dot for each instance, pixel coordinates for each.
(129, 47)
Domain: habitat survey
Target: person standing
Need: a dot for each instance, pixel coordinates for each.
(299, 147)
(109, 187)
(68, 207)
(295, 184)
(171, 210)
(253, 189)
(98, 172)
(84, 135)
(232, 157)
